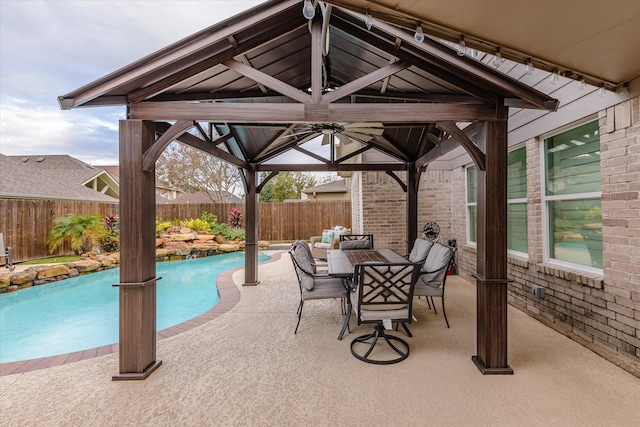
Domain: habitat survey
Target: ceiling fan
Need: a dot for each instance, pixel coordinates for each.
(345, 132)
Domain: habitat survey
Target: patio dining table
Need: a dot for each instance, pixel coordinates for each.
(342, 264)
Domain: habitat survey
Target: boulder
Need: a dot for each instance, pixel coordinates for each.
(115, 256)
(183, 237)
(205, 238)
(179, 248)
(53, 271)
(225, 247)
(106, 261)
(5, 280)
(220, 240)
(23, 277)
(159, 242)
(73, 272)
(185, 230)
(164, 252)
(86, 265)
(263, 244)
(204, 247)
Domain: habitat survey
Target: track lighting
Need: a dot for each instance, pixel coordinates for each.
(624, 89)
(368, 21)
(419, 35)
(530, 67)
(582, 85)
(462, 46)
(497, 59)
(602, 92)
(308, 11)
(555, 78)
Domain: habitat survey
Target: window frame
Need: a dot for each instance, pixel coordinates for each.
(546, 199)
(520, 200)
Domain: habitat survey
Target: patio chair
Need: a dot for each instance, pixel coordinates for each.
(6, 252)
(313, 286)
(330, 239)
(356, 241)
(383, 294)
(420, 250)
(433, 276)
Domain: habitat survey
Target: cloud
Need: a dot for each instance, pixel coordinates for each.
(50, 48)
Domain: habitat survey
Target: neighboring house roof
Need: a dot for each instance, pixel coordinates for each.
(204, 198)
(338, 186)
(54, 177)
(114, 171)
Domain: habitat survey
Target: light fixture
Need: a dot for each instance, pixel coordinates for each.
(624, 89)
(368, 20)
(555, 78)
(602, 91)
(419, 35)
(497, 58)
(582, 85)
(530, 67)
(308, 11)
(462, 46)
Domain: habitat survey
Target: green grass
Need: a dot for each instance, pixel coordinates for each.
(53, 260)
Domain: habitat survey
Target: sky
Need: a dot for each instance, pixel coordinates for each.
(50, 48)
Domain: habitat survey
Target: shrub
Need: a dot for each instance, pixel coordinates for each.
(81, 229)
(235, 218)
(162, 225)
(209, 217)
(109, 238)
(196, 224)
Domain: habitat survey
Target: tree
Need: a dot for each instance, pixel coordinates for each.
(195, 171)
(286, 185)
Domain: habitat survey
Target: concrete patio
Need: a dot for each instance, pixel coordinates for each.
(247, 367)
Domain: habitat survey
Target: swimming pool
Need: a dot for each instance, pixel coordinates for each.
(82, 312)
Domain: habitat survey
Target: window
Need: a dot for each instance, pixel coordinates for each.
(572, 196)
(517, 237)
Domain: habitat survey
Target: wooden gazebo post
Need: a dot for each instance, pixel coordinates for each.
(491, 274)
(251, 227)
(413, 181)
(137, 254)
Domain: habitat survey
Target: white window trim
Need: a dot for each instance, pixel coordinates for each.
(468, 204)
(546, 199)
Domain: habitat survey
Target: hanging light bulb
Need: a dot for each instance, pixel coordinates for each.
(530, 67)
(582, 85)
(624, 90)
(497, 58)
(554, 77)
(368, 21)
(462, 46)
(308, 11)
(419, 35)
(602, 91)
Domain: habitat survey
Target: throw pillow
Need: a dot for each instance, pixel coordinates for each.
(327, 236)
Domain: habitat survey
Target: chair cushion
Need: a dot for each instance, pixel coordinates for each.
(325, 288)
(321, 245)
(436, 263)
(327, 236)
(355, 244)
(420, 250)
(427, 289)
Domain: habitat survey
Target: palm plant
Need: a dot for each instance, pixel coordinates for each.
(81, 229)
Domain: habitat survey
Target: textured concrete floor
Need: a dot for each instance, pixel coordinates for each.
(247, 368)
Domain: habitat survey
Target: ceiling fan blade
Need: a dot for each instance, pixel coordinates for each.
(361, 125)
(344, 139)
(358, 136)
(371, 131)
(326, 139)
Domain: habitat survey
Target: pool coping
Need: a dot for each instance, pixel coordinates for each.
(229, 296)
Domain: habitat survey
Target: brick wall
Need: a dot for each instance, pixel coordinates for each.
(601, 312)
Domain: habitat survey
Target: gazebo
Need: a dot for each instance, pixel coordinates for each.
(269, 80)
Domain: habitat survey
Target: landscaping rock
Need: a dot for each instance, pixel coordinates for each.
(164, 252)
(185, 230)
(106, 261)
(73, 272)
(204, 247)
(183, 237)
(179, 248)
(115, 256)
(53, 271)
(220, 240)
(5, 280)
(204, 238)
(159, 242)
(86, 265)
(23, 277)
(225, 247)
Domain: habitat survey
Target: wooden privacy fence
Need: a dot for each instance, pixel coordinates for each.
(26, 223)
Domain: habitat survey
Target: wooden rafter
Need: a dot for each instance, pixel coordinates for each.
(364, 81)
(474, 151)
(168, 136)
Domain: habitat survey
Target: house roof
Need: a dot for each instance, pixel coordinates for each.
(266, 82)
(338, 186)
(114, 171)
(50, 177)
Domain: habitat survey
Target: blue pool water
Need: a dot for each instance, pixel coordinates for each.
(82, 312)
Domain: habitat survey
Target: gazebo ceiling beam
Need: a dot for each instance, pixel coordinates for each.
(310, 113)
(334, 167)
(241, 49)
(364, 81)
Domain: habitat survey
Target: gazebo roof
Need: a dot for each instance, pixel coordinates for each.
(393, 97)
